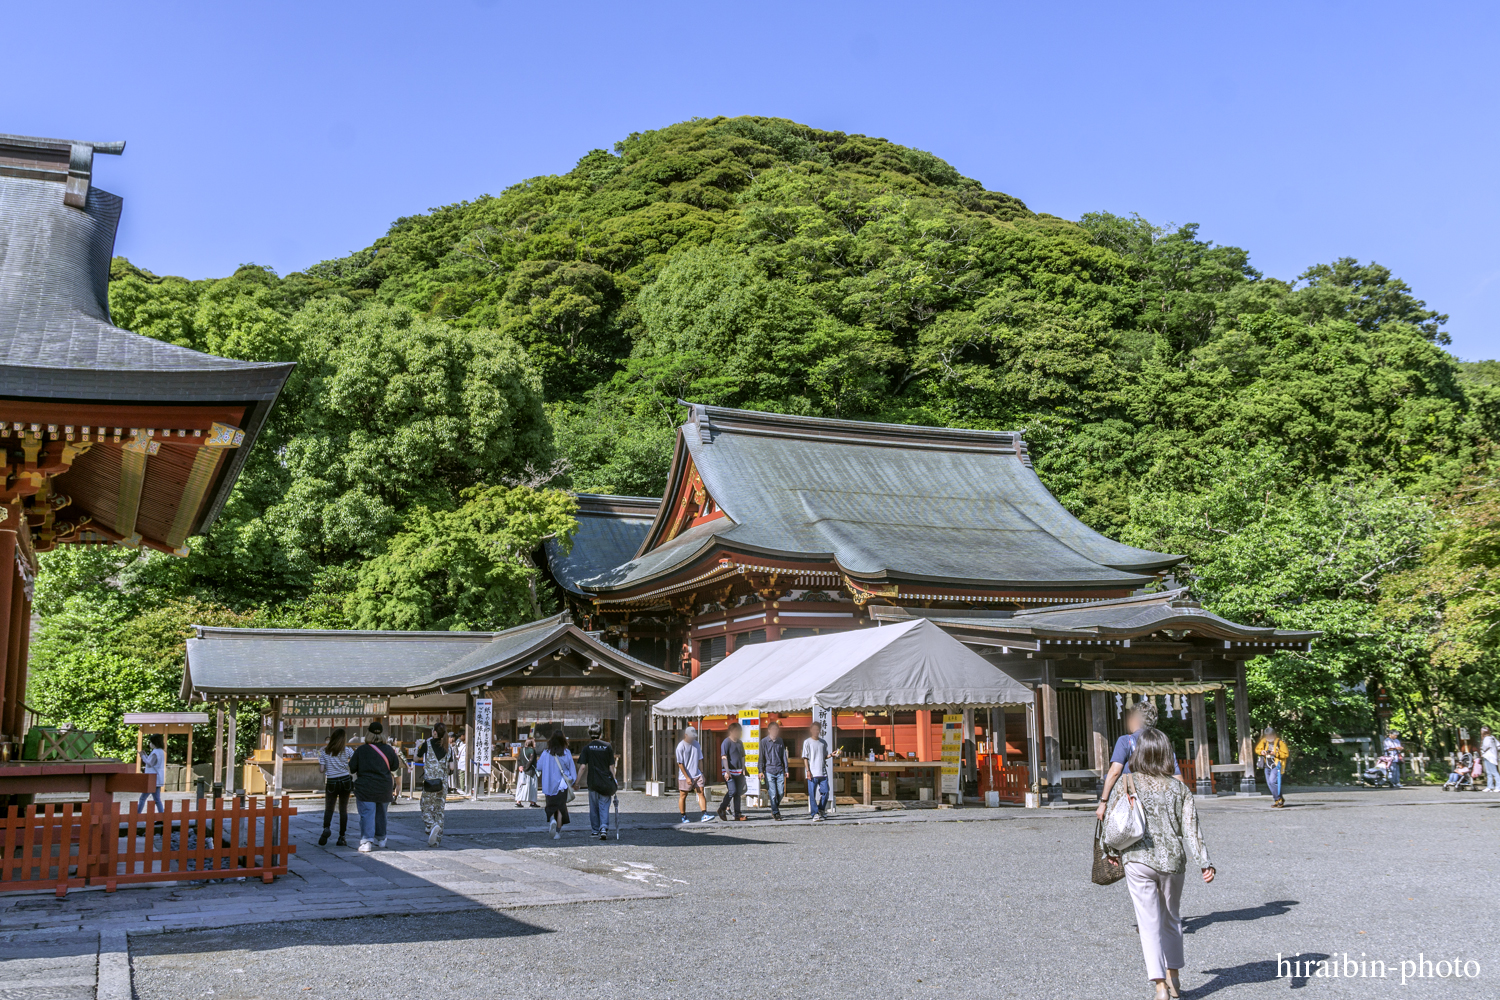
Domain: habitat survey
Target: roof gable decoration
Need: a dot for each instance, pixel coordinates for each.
(64, 160)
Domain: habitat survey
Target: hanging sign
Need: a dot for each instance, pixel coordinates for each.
(750, 736)
(484, 734)
(953, 743)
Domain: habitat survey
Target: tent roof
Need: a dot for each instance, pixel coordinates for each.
(914, 665)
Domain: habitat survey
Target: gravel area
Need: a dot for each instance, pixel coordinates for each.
(906, 907)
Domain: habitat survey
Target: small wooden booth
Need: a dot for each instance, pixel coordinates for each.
(166, 724)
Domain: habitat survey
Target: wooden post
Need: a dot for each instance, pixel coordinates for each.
(187, 773)
(1221, 723)
(231, 748)
(469, 769)
(140, 740)
(218, 772)
(1098, 743)
(15, 654)
(1242, 726)
(1053, 745)
(276, 747)
(1033, 751)
(9, 578)
(627, 745)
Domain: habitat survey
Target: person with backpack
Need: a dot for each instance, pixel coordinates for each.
(1273, 752)
(599, 768)
(558, 775)
(1156, 862)
(1489, 755)
(732, 762)
(333, 761)
(815, 757)
(526, 773)
(377, 775)
(773, 762)
(437, 761)
(154, 761)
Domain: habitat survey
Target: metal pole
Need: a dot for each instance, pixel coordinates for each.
(1033, 754)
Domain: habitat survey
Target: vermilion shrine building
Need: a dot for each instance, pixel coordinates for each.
(109, 437)
(776, 526)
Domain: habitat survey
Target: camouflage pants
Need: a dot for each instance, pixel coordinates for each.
(434, 804)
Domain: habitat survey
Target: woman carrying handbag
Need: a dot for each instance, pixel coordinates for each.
(1150, 820)
(558, 775)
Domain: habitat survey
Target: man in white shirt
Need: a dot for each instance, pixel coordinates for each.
(1489, 752)
(690, 774)
(154, 762)
(815, 756)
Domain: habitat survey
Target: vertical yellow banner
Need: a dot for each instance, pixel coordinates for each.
(750, 735)
(953, 743)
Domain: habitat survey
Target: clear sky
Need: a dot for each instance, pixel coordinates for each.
(288, 133)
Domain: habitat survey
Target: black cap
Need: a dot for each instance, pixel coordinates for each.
(375, 727)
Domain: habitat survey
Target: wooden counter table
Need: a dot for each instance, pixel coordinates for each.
(98, 779)
(869, 768)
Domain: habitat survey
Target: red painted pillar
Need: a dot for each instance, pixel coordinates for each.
(9, 584)
(15, 673)
(924, 735)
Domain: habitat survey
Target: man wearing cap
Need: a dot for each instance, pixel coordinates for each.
(690, 774)
(377, 771)
(1393, 750)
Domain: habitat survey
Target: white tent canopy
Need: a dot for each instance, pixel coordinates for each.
(914, 665)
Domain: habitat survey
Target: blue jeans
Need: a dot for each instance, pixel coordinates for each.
(1395, 774)
(1273, 781)
(1491, 776)
(817, 795)
(776, 785)
(598, 812)
(371, 819)
(153, 794)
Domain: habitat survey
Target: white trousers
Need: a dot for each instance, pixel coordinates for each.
(525, 787)
(1156, 897)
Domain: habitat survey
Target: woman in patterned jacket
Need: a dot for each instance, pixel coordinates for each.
(1154, 865)
(437, 761)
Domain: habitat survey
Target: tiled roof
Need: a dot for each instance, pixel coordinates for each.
(610, 530)
(884, 502)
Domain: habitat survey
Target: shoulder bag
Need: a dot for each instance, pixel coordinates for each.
(1107, 867)
(1125, 823)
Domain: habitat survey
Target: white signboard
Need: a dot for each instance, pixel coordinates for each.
(953, 741)
(484, 734)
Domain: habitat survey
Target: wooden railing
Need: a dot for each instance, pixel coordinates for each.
(1011, 782)
(62, 847)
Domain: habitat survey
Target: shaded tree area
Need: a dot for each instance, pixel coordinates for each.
(1307, 442)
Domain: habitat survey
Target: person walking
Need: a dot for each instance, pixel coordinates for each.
(599, 772)
(333, 761)
(815, 756)
(1154, 865)
(461, 764)
(732, 763)
(1140, 716)
(377, 773)
(437, 762)
(526, 773)
(1394, 750)
(773, 764)
(558, 774)
(690, 774)
(1273, 752)
(154, 761)
(1489, 753)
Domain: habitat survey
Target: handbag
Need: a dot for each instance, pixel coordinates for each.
(1125, 823)
(571, 795)
(1106, 872)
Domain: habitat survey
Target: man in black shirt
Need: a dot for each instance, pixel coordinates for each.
(599, 759)
(376, 769)
(732, 758)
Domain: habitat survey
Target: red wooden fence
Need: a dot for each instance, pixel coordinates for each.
(1011, 782)
(66, 846)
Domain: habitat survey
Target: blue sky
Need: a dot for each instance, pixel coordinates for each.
(286, 133)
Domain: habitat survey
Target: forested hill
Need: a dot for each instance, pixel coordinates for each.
(1306, 440)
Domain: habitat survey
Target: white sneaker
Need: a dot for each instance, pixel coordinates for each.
(434, 836)
(365, 847)
(552, 827)
(380, 842)
(818, 818)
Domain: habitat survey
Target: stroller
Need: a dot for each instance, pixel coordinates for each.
(1380, 774)
(1462, 775)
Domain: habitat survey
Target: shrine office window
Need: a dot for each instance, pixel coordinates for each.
(798, 633)
(749, 638)
(711, 651)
